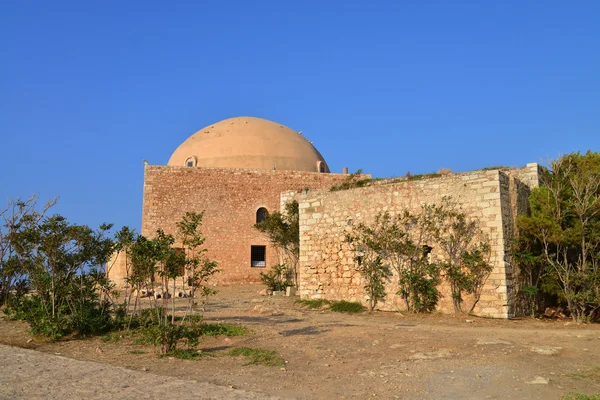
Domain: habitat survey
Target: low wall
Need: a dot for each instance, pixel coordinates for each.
(327, 267)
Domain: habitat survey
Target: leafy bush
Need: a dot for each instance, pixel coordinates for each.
(277, 279)
(187, 354)
(353, 180)
(283, 231)
(559, 247)
(168, 336)
(64, 265)
(348, 307)
(580, 396)
(215, 329)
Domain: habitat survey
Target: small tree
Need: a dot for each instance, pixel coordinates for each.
(405, 243)
(124, 240)
(370, 265)
(143, 266)
(65, 265)
(199, 268)
(283, 231)
(14, 217)
(464, 250)
(563, 232)
(401, 241)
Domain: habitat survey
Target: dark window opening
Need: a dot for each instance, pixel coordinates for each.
(190, 162)
(258, 256)
(321, 167)
(261, 214)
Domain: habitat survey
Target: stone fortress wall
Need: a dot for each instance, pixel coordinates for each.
(229, 198)
(494, 197)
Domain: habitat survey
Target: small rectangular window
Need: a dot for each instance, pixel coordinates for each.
(258, 256)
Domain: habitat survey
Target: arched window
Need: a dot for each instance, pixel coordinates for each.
(190, 162)
(261, 214)
(321, 167)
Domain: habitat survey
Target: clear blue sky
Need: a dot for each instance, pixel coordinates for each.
(88, 89)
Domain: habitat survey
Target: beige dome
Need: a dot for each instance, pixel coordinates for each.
(248, 142)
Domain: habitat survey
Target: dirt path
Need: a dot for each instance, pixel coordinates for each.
(383, 355)
(28, 374)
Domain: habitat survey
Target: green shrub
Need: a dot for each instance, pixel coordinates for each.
(348, 307)
(353, 180)
(269, 358)
(580, 396)
(168, 335)
(112, 337)
(215, 329)
(186, 354)
(278, 278)
(31, 310)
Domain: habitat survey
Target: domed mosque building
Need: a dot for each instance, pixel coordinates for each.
(239, 170)
(234, 171)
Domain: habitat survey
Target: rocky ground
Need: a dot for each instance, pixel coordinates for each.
(328, 356)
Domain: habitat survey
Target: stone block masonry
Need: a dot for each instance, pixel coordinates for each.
(493, 197)
(229, 198)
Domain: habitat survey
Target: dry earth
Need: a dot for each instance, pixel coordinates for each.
(328, 355)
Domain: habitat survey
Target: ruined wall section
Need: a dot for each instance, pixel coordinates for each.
(327, 263)
(229, 199)
(521, 182)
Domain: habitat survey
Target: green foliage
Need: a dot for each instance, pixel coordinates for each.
(156, 329)
(369, 262)
(214, 329)
(167, 336)
(186, 354)
(64, 265)
(278, 278)
(419, 287)
(269, 358)
(580, 396)
(560, 241)
(465, 251)
(199, 268)
(15, 218)
(156, 257)
(112, 337)
(353, 180)
(402, 240)
(347, 307)
(409, 177)
(495, 167)
(283, 231)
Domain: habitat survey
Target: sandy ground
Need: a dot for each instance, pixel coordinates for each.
(338, 356)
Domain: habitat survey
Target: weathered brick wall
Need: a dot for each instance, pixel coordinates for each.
(327, 263)
(229, 199)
